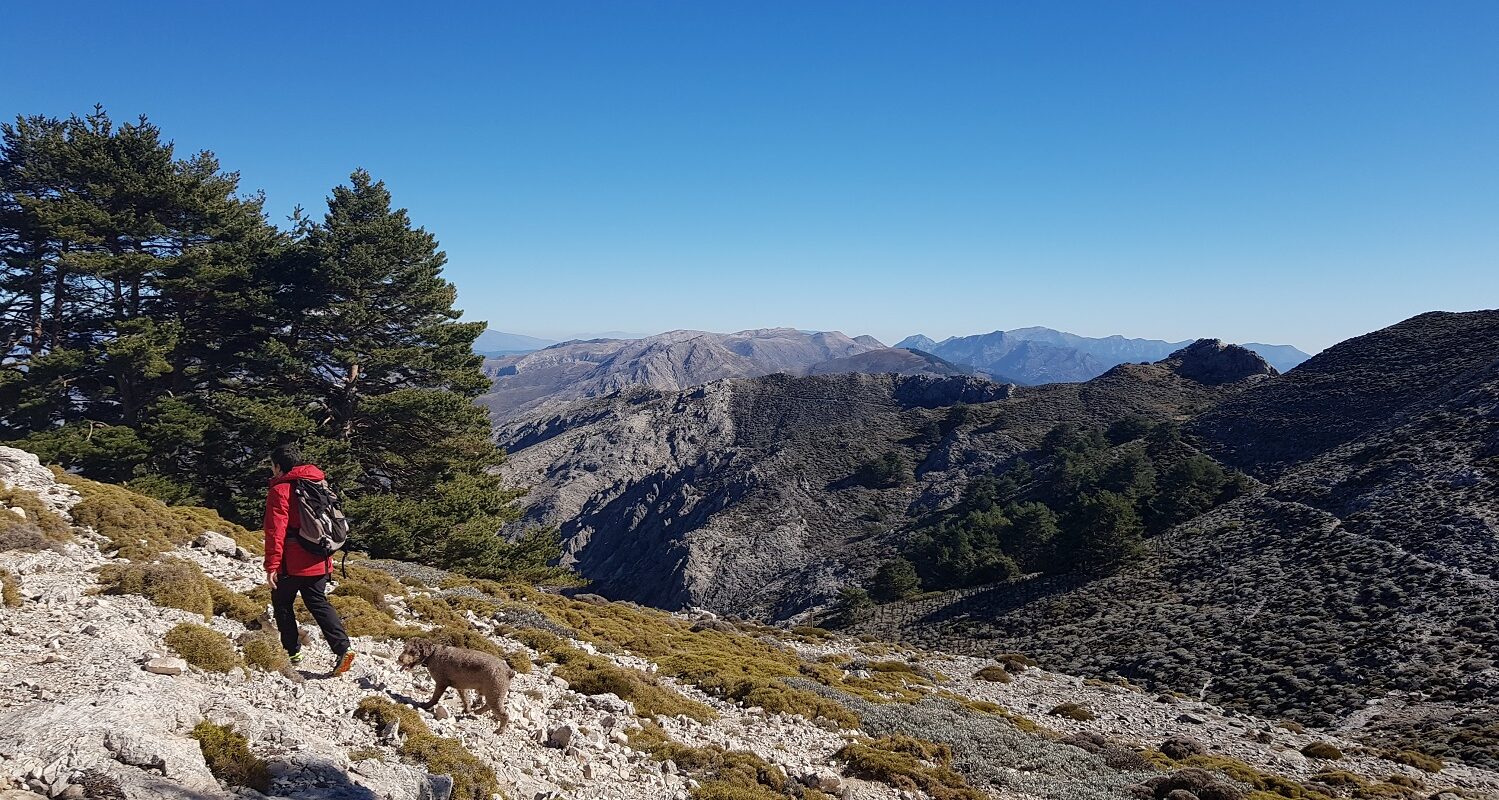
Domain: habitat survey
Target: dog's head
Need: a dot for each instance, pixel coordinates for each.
(417, 652)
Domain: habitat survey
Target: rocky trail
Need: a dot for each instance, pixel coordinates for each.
(95, 704)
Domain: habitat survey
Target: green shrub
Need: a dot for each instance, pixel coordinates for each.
(203, 647)
(229, 757)
(141, 527)
(263, 651)
(1073, 711)
(895, 579)
(10, 589)
(994, 674)
(1323, 750)
(1417, 759)
(40, 529)
(472, 778)
(166, 582)
(591, 674)
(906, 771)
(731, 774)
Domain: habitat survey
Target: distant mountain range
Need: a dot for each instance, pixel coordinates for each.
(531, 374)
(670, 361)
(1042, 355)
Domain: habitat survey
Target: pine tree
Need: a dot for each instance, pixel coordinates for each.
(128, 274)
(375, 347)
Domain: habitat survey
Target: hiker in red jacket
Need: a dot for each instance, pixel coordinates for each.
(290, 567)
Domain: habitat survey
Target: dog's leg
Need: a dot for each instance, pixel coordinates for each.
(437, 695)
(463, 699)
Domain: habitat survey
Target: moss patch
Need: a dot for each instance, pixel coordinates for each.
(229, 757)
(203, 647)
(472, 778)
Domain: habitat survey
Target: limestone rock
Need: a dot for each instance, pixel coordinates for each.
(166, 665)
(216, 543)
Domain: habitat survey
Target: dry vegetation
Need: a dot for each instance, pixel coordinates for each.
(229, 757)
(140, 527)
(472, 778)
(41, 528)
(203, 647)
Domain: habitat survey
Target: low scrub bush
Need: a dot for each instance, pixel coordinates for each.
(732, 774)
(904, 770)
(994, 674)
(10, 589)
(141, 527)
(472, 778)
(1274, 785)
(203, 647)
(727, 664)
(167, 582)
(1073, 711)
(40, 529)
(1417, 759)
(229, 757)
(263, 651)
(591, 674)
(1323, 750)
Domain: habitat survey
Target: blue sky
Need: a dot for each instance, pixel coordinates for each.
(1271, 171)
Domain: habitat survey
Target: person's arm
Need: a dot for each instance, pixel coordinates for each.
(277, 502)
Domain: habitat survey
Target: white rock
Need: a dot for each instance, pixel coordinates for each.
(166, 665)
(216, 543)
(18, 511)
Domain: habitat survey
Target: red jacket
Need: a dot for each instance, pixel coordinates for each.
(281, 514)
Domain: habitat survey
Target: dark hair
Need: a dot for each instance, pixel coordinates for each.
(286, 457)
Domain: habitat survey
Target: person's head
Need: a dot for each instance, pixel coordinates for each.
(284, 458)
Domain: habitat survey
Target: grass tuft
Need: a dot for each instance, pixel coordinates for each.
(896, 761)
(229, 757)
(1073, 711)
(10, 589)
(203, 647)
(40, 529)
(472, 778)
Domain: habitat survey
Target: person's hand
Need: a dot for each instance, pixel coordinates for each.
(270, 578)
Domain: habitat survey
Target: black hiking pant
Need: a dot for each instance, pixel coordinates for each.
(314, 595)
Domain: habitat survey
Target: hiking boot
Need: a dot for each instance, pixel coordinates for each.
(345, 660)
(295, 658)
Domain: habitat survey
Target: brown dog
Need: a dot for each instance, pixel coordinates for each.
(462, 669)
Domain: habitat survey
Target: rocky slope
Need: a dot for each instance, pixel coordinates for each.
(1357, 587)
(674, 360)
(99, 700)
(741, 495)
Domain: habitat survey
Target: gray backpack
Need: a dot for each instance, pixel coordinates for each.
(324, 529)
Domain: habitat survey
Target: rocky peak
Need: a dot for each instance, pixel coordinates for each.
(1211, 361)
